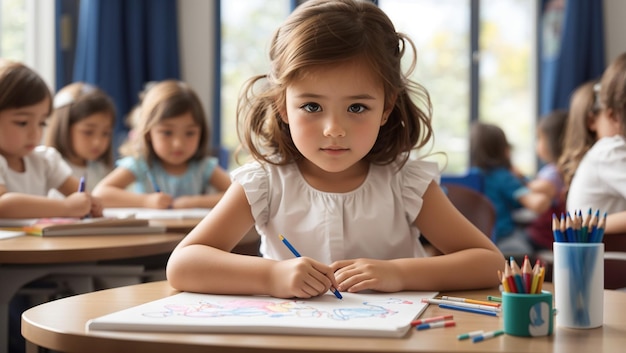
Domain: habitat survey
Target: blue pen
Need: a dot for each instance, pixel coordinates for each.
(81, 184)
(297, 254)
(469, 310)
(155, 186)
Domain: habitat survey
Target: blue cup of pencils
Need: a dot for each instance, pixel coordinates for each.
(527, 314)
(578, 278)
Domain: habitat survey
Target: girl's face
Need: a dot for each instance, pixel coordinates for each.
(91, 137)
(175, 140)
(21, 130)
(334, 115)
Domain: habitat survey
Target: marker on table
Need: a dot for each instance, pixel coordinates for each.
(471, 334)
(463, 305)
(494, 298)
(431, 319)
(448, 323)
(487, 335)
(297, 254)
(469, 310)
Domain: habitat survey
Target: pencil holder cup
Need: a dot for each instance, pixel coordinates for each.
(527, 315)
(578, 278)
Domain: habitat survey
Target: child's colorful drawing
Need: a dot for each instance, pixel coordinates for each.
(381, 314)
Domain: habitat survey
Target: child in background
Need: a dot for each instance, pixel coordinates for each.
(80, 129)
(579, 137)
(599, 182)
(169, 165)
(490, 153)
(331, 127)
(28, 171)
(548, 180)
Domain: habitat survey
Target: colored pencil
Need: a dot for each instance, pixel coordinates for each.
(469, 310)
(460, 304)
(471, 301)
(516, 272)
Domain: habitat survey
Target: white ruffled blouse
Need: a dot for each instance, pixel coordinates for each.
(374, 220)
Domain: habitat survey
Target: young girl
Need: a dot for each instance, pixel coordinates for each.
(490, 153)
(579, 136)
(331, 127)
(548, 180)
(169, 165)
(80, 129)
(599, 182)
(28, 172)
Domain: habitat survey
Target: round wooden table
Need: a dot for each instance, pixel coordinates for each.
(61, 325)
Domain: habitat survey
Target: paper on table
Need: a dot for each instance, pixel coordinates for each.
(369, 315)
(153, 213)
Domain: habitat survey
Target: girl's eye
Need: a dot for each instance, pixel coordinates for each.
(356, 108)
(191, 133)
(88, 132)
(165, 132)
(21, 123)
(311, 107)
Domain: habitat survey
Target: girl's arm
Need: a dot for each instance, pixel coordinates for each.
(543, 186)
(18, 205)
(470, 260)
(70, 187)
(535, 201)
(219, 181)
(112, 191)
(616, 223)
(202, 262)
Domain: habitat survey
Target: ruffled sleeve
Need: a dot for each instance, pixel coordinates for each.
(416, 176)
(208, 166)
(138, 167)
(254, 179)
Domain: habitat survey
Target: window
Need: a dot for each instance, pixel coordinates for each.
(27, 35)
(247, 28)
(441, 30)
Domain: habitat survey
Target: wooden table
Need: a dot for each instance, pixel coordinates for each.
(26, 258)
(60, 325)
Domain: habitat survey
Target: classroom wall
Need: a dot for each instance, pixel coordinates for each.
(197, 40)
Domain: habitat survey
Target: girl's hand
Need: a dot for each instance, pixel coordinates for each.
(158, 200)
(96, 207)
(300, 277)
(361, 274)
(78, 204)
(183, 202)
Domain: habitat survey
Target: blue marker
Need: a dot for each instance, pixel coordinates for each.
(487, 335)
(81, 185)
(297, 254)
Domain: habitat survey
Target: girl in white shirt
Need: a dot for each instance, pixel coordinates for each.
(599, 182)
(81, 128)
(28, 172)
(331, 127)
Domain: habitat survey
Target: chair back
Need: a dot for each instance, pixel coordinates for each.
(473, 180)
(615, 261)
(476, 207)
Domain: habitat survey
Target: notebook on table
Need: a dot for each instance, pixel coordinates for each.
(357, 314)
(50, 227)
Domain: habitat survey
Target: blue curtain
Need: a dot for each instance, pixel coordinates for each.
(572, 49)
(122, 44)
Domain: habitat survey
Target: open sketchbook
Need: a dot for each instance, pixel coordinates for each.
(369, 315)
(154, 214)
(50, 227)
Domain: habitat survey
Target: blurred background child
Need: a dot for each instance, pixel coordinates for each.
(548, 180)
(80, 128)
(168, 161)
(599, 182)
(28, 171)
(490, 153)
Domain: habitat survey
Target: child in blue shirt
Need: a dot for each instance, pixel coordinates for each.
(490, 153)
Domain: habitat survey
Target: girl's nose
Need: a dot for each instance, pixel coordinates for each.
(333, 127)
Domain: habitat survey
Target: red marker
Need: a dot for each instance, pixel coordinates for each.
(437, 324)
(431, 319)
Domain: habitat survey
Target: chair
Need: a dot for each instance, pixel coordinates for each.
(473, 180)
(476, 207)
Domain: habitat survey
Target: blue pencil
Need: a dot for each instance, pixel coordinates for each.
(297, 254)
(469, 310)
(155, 186)
(81, 184)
